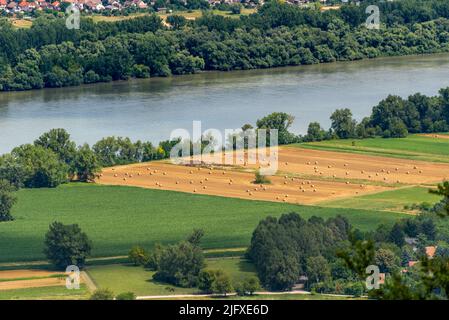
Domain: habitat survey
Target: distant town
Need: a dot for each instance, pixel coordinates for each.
(12, 8)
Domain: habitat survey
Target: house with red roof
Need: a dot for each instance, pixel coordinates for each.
(412, 263)
(382, 278)
(23, 5)
(142, 5)
(430, 251)
(12, 5)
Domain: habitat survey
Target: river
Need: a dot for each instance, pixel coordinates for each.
(150, 109)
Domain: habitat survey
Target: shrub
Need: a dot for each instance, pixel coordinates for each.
(138, 256)
(261, 179)
(222, 284)
(102, 294)
(206, 279)
(248, 286)
(126, 296)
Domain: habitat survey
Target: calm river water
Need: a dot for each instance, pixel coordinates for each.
(150, 109)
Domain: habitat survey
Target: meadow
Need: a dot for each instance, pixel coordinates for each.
(413, 147)
(115, 218)
(139, 280)
(394, 200)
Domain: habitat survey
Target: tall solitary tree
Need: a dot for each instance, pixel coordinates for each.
(66, 245)
(343, 124)
(7, 200)
(86, 165)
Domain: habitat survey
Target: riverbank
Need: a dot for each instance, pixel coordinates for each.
(150, 109)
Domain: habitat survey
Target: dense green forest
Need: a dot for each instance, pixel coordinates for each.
(50, 55)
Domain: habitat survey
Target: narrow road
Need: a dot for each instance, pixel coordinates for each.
(174, 296)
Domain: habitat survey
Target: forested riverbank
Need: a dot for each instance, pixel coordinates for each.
(50, 55)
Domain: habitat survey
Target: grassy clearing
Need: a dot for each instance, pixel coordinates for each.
(124, 278)
(21, 23)
(101, 18)
(412, 147)
(139, 280)
(393, 200)
(45, 293)
(191, 15)
(116, 218)
(237, 268)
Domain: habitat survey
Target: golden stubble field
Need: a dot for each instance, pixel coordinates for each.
(20, 279)
(304, 176)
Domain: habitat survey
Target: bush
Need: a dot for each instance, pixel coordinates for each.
(354, 289)
(126, 296)
(206, 279)
(91, 77)
(102, 294)
(180, 264)
(248, 286)
(141, 71)
(138, 256)
(222, 284)
(261, 179)
(154, 257)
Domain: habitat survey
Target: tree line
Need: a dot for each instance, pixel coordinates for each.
(54, 159)
(324, 256)
(50, 55)
(426, 277)
(330, 256)
(392, 117)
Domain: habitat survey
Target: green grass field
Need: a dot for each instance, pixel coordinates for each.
(237, 268)
(393, 200)
(116, 218)
(412, 147)
(125, 277)
(45, 293)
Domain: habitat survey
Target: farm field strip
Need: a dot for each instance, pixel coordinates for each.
(228, 183)
(117, 217)
(423, 147)
(394, 200)
(329, 175)
(45, 293)
(20, 279)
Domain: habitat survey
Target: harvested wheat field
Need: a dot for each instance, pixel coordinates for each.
(304, 176)
(341, 165)
(19, 279)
